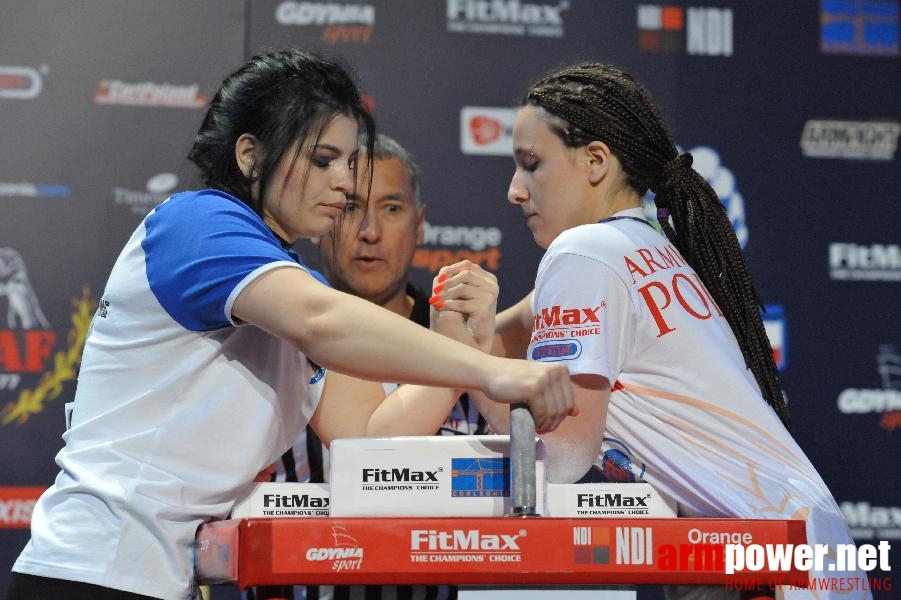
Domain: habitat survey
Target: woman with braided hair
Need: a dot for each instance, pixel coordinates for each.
(673, 373)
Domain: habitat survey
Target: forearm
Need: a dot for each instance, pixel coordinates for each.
(514, 329)
(497, 414)
(412, 410)
(353, 336)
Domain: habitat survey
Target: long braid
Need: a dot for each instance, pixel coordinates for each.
(600, 102)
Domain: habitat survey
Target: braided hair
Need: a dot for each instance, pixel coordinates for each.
(593, 101)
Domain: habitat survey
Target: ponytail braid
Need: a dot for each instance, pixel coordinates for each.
(599, 102)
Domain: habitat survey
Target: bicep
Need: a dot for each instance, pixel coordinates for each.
(513, 329)
(573, 447)
(281, 302)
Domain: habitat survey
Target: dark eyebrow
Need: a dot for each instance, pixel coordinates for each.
(321, 146)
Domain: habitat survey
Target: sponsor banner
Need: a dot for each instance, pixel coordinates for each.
(27, 189)
(507, 17)
(340, 23)
(870, 522)
(16, 506)
(141, 202)
(865, 28)
(692, 30)
(20, 82)
(885, 402)
(776, 330)
(487, 550)
(864, 262)
(447, 244)
(850, 140)
(487, 130)
(425, 476)
(149, 93)
(34, 362)
(607, 500)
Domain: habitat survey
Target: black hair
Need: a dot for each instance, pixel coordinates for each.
(594, 101)
(278, 97)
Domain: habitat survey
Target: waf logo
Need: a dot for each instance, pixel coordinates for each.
(27, 344)
(480, 477)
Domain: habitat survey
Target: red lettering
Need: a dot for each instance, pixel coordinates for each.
(591, 315)
(572, 316)
(9, 352)
(656, 310)
(38, 346)
(649, 260)
(678, 277)
(633, 268)
(551, 317)
(707, 293)
(669, 253)
(666, 258)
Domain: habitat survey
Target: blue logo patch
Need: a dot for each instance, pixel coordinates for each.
(480, 477)
(869, 28)
(556, 350)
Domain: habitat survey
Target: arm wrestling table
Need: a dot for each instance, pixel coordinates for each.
(512, 550)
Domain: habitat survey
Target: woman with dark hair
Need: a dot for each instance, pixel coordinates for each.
(202, 364)
(662, 334)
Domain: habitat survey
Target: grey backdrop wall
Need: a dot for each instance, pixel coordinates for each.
(791, 109)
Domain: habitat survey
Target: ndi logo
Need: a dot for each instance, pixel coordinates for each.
(480, 477)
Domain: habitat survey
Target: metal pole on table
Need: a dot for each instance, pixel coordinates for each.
(522, 461)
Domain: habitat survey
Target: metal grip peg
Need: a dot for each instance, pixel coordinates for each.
(522, 461)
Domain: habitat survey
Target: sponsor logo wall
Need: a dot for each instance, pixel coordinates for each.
(790, 110)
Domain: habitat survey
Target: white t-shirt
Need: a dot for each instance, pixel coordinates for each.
(177, 407)
(618, 300)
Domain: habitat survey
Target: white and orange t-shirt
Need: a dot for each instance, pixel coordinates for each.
(617, 299)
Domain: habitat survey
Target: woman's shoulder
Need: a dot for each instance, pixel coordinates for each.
(204, 199)
(593, 239)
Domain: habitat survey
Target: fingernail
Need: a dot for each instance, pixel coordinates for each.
(442, 277)
(439, 305)
(438, 288)
(434, 299)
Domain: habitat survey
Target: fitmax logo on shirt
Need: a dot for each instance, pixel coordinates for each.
(556, 316)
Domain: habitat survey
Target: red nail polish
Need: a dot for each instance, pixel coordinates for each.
(442, 277)
(438, 288)
(434, 299)
(439, 305)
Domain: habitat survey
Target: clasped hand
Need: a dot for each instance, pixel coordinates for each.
(464, 306)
